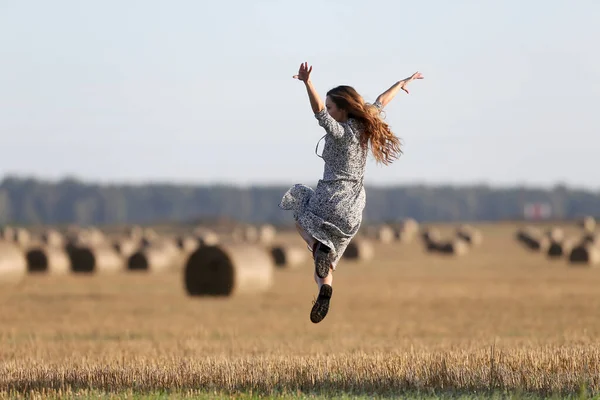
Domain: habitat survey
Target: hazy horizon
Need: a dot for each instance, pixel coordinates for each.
(136, 92)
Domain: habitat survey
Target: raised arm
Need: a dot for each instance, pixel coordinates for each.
(304, 75)
(387, 96)
(330, 125)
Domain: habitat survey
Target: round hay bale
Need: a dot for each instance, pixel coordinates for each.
(13, 264)
(559, 249)
(359, 249)
(149, 236)
(289, 255)
(153, 259)
(431, 239)
(470, 234)
(22, 237)
(100, 259)
(126, 246)
(585, 254)
(228, 270)
(588, 224)
(533, 239)
(134, 232)
(48, 260)
(187, 243)
(52, 238)
(245, 234)
(591, 239)
(267, 234)
(385, 234)
(555, 234)
(206, 237)
(455, 247)
(92, 237)
(7, 233)
(409, 225)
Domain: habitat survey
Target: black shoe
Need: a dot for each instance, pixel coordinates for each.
(321, 306)
(321, 255)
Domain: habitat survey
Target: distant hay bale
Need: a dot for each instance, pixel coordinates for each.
(227, 270)
(289, 256)
(99, 259)
(431, 237)
(126, 246)
(592, 239)
(206, 237)
(407, 230)
(52, 238)
(533, 239)
(555, 234)
(153, 259)
(134, 232)
(384, 234)
(187, 243)
(92, 237)
(245, 234)
(13, 264)
(48, 260)
(470, 234)
(559, 249)
(588, 224)
(22, 237)
(454, 246)
(359, 249)
(7, 233)
(585, 254)
(149, 236)
(267, 234)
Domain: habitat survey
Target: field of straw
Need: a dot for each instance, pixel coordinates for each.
(500, 321)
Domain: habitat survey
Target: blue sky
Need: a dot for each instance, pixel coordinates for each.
(202, 92)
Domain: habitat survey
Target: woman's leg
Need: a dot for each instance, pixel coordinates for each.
(310, 241)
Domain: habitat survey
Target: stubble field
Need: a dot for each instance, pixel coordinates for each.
(499, 321)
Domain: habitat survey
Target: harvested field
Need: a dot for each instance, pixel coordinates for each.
(500, 320)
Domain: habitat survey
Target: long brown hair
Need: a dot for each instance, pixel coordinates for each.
(385, 146)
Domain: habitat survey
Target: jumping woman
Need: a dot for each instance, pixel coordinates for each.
(329, 217)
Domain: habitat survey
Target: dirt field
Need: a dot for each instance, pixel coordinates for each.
(498, 320)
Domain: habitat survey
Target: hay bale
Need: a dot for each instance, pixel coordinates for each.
(592, 239)
(99, 259)
(266, 234)
(407, 230)
(134, 232)
(533, 239)
(359, 249)
(227, 270)
(126, 246)
(469, 234)
(245, 234)
(154, 259)
(92, 237)
(588, 224)
(52, 238)
(454, 246)
(149, 236)
(187, 243)
(13, 264)
(384, 234)
(7, 233)
(431, 237)
(206, 237)
(585, 254)
(22, 237)
(555, 234)
(559, 249)
(48, 260)
(289, 255)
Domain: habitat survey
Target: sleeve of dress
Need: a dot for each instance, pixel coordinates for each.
(331, 125)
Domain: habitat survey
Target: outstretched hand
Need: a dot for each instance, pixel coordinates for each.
(416, 75)
(303, 72)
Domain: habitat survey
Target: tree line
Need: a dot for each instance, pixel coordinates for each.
(34, 201)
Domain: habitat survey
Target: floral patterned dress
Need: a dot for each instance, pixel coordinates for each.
(332, 213)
